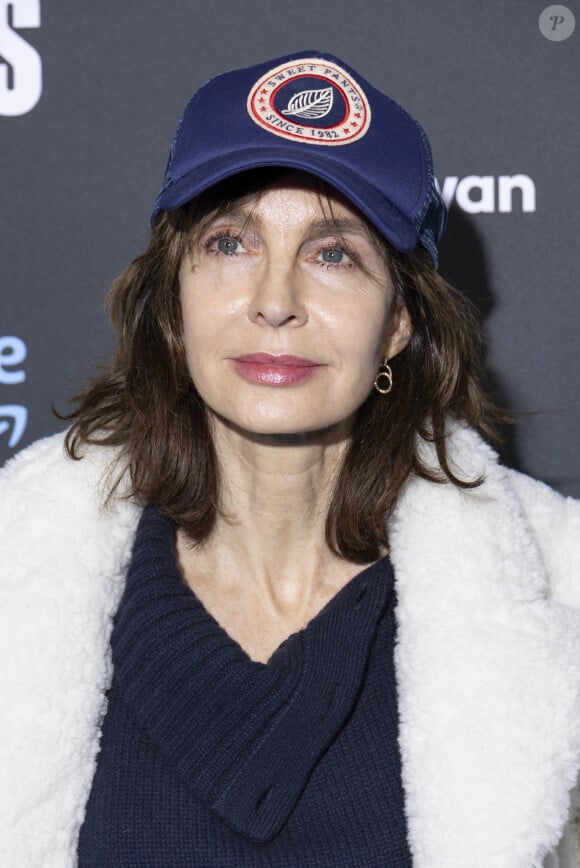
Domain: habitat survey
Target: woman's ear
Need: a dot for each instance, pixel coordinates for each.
(398, 333)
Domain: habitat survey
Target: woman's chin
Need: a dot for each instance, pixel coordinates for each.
(281, 429)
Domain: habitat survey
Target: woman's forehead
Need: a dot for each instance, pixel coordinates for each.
(288, 201)
(290, 193)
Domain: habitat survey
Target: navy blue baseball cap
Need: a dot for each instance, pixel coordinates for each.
(312, 112)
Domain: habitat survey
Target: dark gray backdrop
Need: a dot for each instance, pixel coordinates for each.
(81, 166)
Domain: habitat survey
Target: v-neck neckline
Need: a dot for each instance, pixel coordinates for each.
(355, 589)
(242, 734)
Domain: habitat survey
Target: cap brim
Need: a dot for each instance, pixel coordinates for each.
(382, 213)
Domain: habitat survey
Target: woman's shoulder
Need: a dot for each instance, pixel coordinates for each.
(45, 469)
(541, 497)
(508, 510)
(47, 497)
(34, 457)
(48, 456)
(473, 456)
(552, 518)
(40, 477)
(555, 521)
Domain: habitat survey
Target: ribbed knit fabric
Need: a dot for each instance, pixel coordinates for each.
(211, 759)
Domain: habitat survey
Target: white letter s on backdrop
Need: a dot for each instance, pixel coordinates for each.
(19, 96)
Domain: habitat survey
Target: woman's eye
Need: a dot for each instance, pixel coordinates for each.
(228, 245)
(223, 243)
(335, 256)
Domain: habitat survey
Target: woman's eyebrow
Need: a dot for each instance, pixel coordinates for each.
(338, 226)
(238, 214)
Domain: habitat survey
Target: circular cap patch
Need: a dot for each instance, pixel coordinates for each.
(310, 101)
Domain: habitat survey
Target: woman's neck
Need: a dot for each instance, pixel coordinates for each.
(275, 497)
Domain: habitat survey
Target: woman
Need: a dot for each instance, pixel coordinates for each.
(343, 633)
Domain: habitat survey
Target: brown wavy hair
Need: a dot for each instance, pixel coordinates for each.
(145, 403)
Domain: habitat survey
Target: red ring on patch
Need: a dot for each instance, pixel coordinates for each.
(310, 103)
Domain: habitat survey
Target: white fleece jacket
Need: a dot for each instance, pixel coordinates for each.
(488, 658)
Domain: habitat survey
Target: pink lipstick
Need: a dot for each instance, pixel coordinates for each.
(283, 370)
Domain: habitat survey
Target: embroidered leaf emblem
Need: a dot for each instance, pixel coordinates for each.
(313, 104)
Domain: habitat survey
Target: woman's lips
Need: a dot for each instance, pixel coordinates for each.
(272, 370)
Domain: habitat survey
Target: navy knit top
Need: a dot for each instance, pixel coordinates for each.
(211, 759)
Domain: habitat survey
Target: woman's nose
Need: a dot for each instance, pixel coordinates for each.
(278, 297)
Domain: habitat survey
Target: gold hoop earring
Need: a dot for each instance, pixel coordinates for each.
(386, 375)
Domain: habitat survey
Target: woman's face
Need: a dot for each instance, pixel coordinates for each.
(288, 311)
